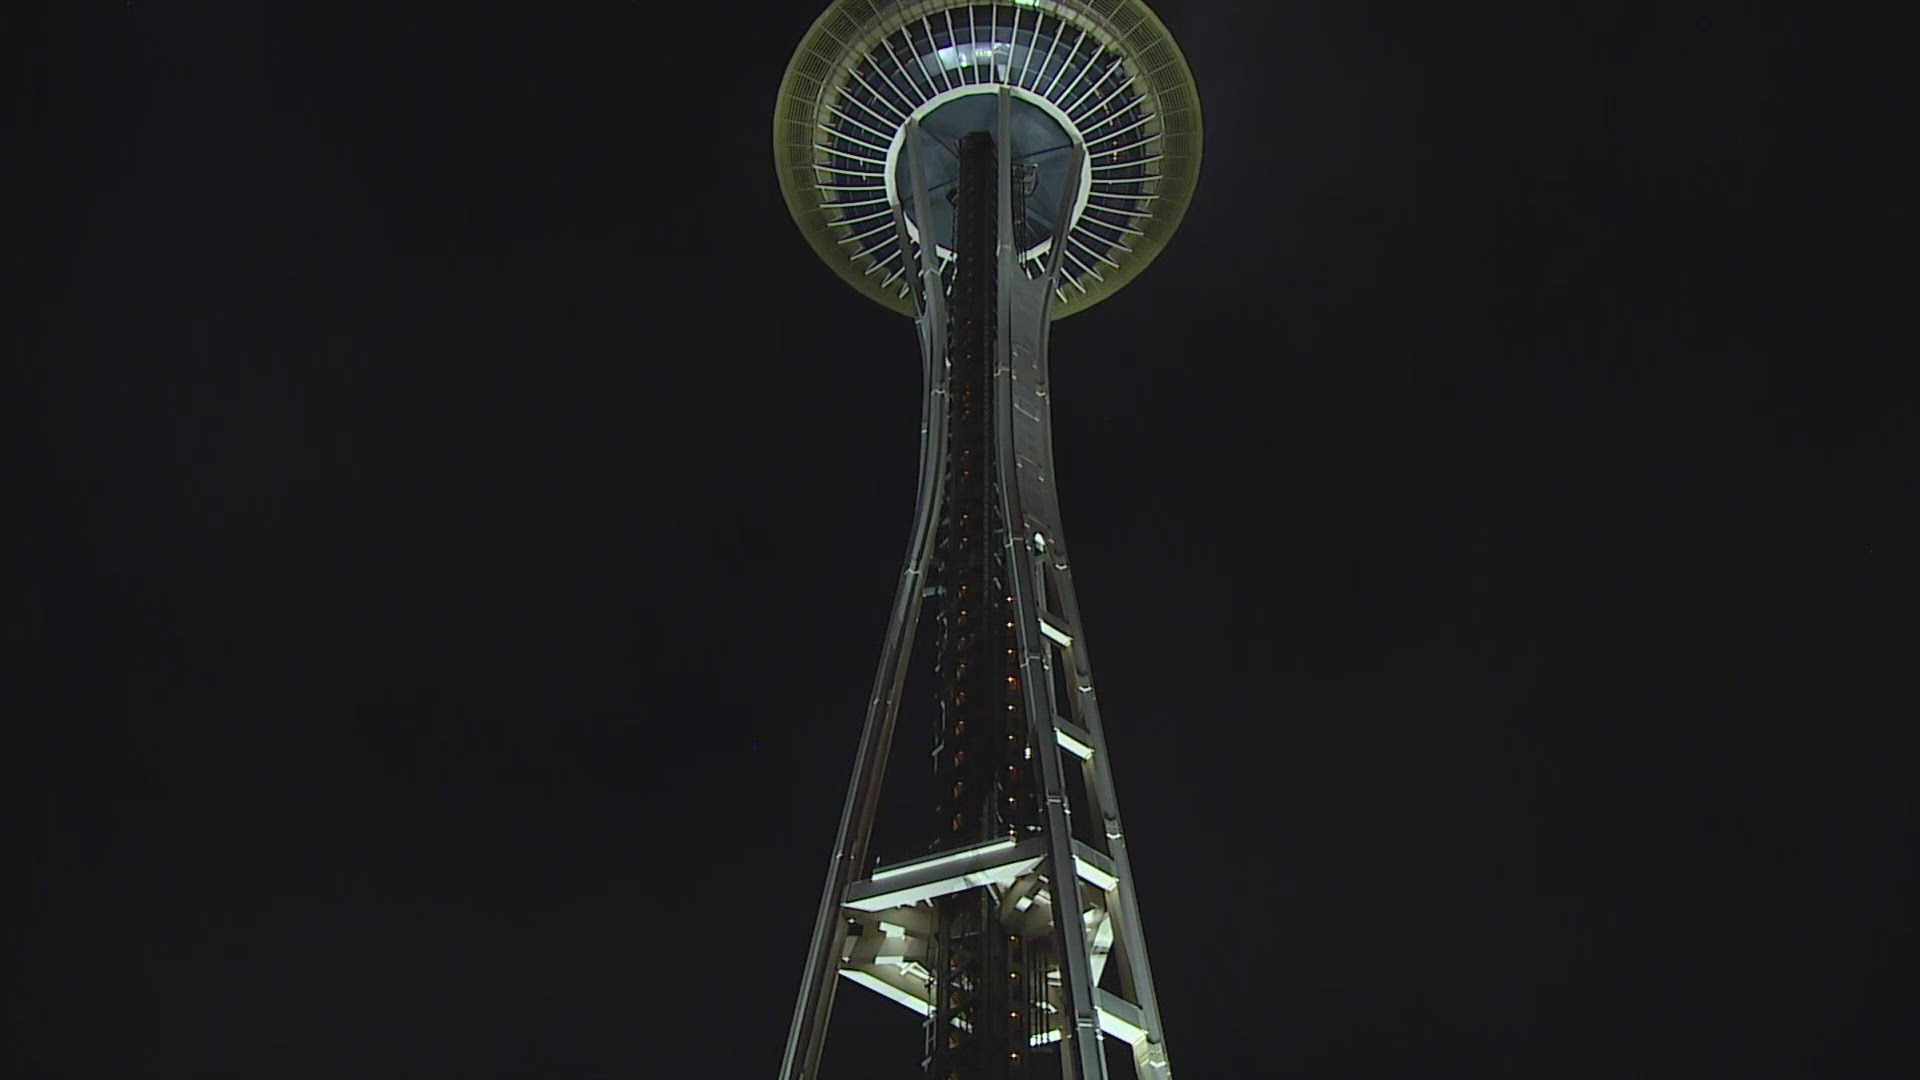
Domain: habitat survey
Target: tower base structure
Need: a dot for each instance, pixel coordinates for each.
(1070, 903)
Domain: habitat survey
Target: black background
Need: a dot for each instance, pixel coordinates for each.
(465, 515)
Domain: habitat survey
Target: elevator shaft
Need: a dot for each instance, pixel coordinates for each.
(985, 977)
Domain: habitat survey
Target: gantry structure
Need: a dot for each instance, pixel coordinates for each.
(987, 168)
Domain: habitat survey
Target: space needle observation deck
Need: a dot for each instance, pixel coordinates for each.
(1102, 74)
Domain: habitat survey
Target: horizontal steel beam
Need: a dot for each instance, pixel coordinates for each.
(998, 862)
(1073, 738)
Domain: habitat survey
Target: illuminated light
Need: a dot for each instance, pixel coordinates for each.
(966, 54)
(1009, 624)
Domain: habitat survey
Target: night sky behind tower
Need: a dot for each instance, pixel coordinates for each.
(460, 514)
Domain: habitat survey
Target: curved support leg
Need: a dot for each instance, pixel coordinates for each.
(1022, 314)
(806, 1039)
(1047, 597)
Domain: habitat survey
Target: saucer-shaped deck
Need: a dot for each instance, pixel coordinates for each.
(1104, 73)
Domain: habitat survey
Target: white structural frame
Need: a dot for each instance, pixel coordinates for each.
(874, 930)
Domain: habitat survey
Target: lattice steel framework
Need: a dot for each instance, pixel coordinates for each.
(1019, 944)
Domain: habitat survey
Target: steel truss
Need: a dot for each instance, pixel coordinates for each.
(876, 929)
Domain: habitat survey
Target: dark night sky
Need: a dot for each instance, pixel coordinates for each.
(470, 515)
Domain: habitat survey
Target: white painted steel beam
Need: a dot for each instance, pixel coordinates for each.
(1056, 630)
(1073, 738)
(890, 990)
(1095, 869)
(998, 863)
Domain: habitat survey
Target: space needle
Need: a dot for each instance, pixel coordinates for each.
(987, 168)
